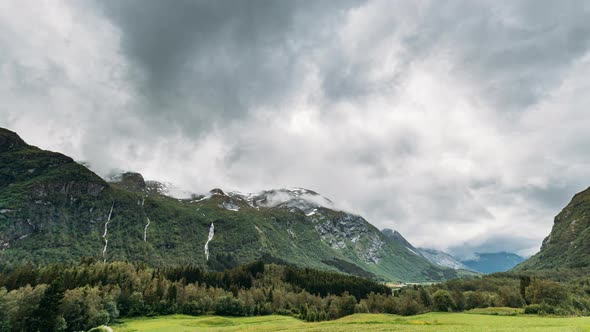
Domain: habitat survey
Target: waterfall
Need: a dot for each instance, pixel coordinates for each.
(104, 235)
(211, 233)
(145, 229)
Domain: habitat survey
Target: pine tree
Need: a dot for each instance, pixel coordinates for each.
(45, 317)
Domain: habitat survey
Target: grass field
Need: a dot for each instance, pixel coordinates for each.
(456, 322)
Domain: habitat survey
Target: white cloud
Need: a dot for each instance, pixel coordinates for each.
(462, 125)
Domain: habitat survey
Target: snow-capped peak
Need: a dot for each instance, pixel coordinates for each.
(303, 199)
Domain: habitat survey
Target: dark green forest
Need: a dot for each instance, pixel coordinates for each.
(81, 296)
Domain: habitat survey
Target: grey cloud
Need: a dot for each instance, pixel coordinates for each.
(201, 62)
(520, 48)
(518, 245)
(517, 50)
(396, 110)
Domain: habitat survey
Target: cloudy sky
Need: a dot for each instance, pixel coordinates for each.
(462, 124)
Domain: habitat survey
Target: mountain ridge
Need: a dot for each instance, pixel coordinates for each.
(53, 209)
(568, 243)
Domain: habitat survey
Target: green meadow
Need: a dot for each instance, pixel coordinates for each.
(440, 322)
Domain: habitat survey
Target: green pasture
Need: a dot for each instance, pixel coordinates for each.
(439, 322)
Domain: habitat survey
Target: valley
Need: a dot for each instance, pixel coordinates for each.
(78, 251)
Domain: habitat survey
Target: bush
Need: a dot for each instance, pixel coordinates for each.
(532, 309)
(442, 301)
(229, 306)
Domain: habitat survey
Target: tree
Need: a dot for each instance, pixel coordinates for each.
(4, 317)
(442, 301)
(510, 297)
(525, 281)
(546, 291)
(475, 300)
(347, 304)
(425, 298)
(45, 317)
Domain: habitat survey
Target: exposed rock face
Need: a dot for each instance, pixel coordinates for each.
(217, 192)
(352, 230)
(156, 187)
(130, 181)
(443, 259)
(70, 188)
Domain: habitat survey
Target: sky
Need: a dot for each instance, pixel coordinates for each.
(461, 124)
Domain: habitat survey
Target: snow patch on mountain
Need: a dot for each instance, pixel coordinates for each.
(230, 205)
(413, 251)
(313, 212)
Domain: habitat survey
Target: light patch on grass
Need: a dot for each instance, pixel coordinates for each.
(439, 322)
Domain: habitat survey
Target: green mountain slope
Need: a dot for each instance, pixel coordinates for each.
(568, 244)
(53, 209)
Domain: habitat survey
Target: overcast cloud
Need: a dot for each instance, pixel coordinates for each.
(461, 124)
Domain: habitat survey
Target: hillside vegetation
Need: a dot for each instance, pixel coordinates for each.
(568, 244)
(79, 297)
(54, 210)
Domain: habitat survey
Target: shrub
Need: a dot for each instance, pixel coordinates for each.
(532, 309)
(442, 301)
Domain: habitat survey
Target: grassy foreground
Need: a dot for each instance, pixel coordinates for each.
(359, 322)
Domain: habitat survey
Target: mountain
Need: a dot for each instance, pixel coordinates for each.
(443, 259)
(395, 236)
(53, 209)
(438, 258)
(568, 244)
(493, 262)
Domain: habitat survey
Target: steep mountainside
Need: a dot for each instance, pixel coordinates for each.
(568, 244)
(435, 257)
(493, 262)
(443, 259)
(53, 209)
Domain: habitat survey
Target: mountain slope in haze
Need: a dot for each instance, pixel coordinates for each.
(53, 209)
(568, 244)
(443, 259)
(435, 257)
(493, 262)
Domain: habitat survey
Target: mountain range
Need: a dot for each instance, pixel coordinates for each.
(481, 263)
(493, 262)
(55, 210)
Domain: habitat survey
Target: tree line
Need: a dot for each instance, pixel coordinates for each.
(82, 296)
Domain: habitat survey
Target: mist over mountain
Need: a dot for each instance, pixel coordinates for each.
(493, 262)
(53, 209)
